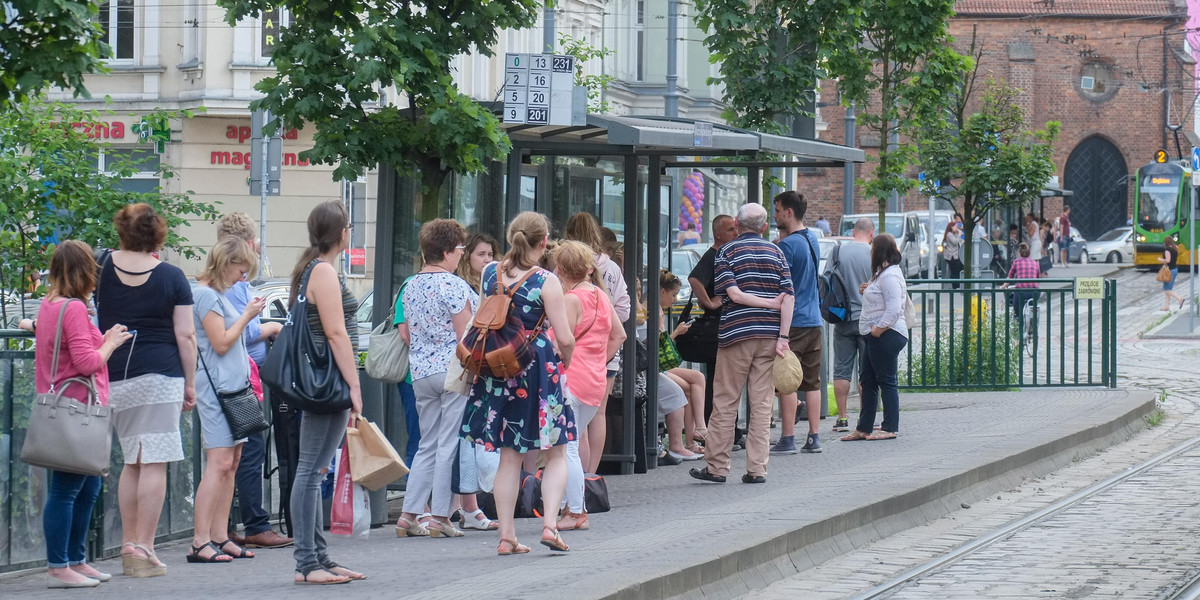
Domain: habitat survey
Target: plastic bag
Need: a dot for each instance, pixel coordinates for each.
(351, 512)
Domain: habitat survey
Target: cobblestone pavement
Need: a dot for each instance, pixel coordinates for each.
(1133, 541)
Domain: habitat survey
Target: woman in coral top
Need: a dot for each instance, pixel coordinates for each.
(598, 335)
(82, 353)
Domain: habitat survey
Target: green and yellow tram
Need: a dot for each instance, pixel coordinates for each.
(1161, 199)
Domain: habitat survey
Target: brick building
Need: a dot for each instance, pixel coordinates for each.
(1115, 73)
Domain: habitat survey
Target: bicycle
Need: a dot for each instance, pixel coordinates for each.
(1029, 321)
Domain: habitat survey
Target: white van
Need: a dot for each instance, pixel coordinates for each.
(906, 228)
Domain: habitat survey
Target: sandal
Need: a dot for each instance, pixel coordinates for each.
(478, 520)
(578, 521)
(306, 581)
(337, 569)
(855, 436)
(695, 448)
(137, 566)
(241, 553)
(554, 543)
(882, 435)
(513, 548)
(216, 557)
(406, 528)
(439, 529)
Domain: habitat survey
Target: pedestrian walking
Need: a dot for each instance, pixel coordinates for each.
(74, 348)
(849, 348)
(527, 412)
(331, 324)
(226, 368)
(952, 243)
(256, 520)
(823, 224)
(752, 274)
(1170, 259)
(1034, 238)
(801, 250)
(152, 378)
(1064, 236)
(885, 332)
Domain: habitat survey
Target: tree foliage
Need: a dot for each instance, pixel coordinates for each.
(336, 57)
(584, 51)
(47, 42)
(53, 191)
(772, 53)
(897, 76)
(987, 160)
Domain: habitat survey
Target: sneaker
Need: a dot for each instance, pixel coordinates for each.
(739, 443)
(785, 445)
(812, 445)
(841, 425)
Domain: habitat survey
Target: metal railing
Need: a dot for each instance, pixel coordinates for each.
(973, 337)
(23, 488)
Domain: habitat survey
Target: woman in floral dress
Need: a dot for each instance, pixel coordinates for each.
(527, 412)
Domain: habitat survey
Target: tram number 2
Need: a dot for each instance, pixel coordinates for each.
(538, 115)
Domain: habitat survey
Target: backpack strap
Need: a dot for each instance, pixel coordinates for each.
(511, 290)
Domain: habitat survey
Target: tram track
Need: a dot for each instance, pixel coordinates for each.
(1189, 591)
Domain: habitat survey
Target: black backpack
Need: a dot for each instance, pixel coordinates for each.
(831, 290)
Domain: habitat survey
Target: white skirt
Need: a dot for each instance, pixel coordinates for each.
(146, 413)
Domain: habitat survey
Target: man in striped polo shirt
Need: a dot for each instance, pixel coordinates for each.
(753, 280)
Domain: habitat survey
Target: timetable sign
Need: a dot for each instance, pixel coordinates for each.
(537, 88)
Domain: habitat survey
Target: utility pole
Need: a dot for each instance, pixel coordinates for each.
(548, 28)
(671, 98)
(849, 123)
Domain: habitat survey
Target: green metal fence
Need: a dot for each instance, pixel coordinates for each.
(973, 337)
(23, 488)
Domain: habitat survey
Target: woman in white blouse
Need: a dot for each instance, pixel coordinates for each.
(885, 331)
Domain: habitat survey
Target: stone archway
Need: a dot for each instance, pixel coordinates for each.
(1097, 174)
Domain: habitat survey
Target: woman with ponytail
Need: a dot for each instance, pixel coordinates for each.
(527, 412)
(320, 434)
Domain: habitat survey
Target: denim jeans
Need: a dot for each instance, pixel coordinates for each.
(412, 425)
(67, 516)
(878, 378)
(249, 485)
(320, 436)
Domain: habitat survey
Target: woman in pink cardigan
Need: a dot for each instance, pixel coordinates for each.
(82, 352)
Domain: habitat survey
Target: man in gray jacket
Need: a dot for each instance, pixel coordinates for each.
(854, 268)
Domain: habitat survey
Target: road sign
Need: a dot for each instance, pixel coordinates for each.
(1089, 288)
(1195, 178)
(539, 88)
(1195, 158)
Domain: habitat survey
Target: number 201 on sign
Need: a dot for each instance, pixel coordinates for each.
(538, 115)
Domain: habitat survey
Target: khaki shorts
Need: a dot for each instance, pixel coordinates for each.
(805, 343)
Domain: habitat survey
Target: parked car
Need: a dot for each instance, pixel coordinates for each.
(276, 293)
(1079, 248)
(905, 227)
(827, 246)
(1114, 246)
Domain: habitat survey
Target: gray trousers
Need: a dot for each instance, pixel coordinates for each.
(320, 436)
(440, 415)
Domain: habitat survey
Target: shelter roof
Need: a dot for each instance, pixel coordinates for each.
(1073, 8)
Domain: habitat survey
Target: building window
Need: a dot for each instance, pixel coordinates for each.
(354, 195)
(116, 19)
(1097, 81)
(640, 42)
(272, 25)
(143, 180)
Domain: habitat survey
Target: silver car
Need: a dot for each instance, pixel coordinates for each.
(1115, 246)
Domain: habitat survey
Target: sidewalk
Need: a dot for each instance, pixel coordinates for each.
(670, 535)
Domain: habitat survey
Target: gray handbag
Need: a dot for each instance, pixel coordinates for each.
(387, 354)
(65, 434)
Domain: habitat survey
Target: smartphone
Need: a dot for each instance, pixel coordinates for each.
(690, 321)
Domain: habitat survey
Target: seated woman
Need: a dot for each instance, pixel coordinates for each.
(691, 380)
(673, 402)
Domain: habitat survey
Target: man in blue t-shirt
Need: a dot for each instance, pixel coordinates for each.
(800, 247)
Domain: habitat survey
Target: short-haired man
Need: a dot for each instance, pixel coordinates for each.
(1064, 236)
(853, 269)
(753, 275)
(801, 249)
(701, 279)
(255, 519)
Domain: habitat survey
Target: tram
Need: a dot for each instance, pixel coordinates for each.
(1160, 202)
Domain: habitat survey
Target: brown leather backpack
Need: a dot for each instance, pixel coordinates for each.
(497, 344)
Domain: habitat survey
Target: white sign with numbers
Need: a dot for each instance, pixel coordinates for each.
(538, 88)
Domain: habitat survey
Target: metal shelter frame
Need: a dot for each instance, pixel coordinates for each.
(658, 142)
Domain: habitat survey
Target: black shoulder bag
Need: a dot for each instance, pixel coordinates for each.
(242, 409)
(300, 368)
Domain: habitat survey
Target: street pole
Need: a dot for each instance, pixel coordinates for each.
(264, 171)
(848, 124)
(548, 28)
(671, 98)
(1192, 264)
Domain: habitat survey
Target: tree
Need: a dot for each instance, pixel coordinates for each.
(48, 42)
(987, 159)
(53, 191)
(583, 51)
(772, 53)
(897, 77)
(335, 58)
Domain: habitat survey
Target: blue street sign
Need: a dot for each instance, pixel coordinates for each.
(1195, 158)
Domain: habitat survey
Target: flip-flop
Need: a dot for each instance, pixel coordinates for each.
(305, 581)
(881, 435)
(855, 436)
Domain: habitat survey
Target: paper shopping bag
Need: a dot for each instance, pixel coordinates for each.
(374, 463)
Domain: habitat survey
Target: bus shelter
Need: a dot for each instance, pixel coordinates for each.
(624, 170)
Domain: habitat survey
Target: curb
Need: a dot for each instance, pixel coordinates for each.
(748, 569)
